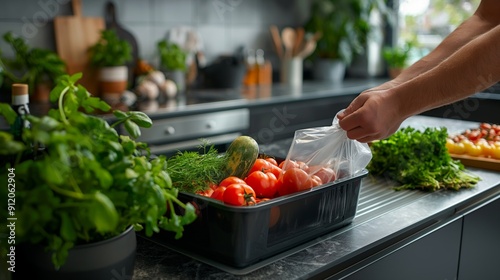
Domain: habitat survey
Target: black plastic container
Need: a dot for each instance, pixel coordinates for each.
(239, 236)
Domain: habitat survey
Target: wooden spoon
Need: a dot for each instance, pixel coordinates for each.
(299, 40)
(275, 34)
(308, 48)
(288, 37)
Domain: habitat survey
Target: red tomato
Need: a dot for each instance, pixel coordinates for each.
(264, 184)
(316, 181)
(288, 164)
(265, 166)
(274, 216)
(294, 180)
(260, 165)
(272, 161)
(219, 193)
(239, 195)
(231, 180)
(474, 135)
(326, 174)
(485, 126)
(207, 192)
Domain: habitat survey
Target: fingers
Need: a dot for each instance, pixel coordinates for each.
(347, 118)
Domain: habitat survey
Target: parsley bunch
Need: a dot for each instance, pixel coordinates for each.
(419, 160)
(89, 183)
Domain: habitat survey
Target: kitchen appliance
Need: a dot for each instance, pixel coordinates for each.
(168, 136)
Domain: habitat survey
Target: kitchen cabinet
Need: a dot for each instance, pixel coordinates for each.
(480, 247)
(433, 255)
(465, 248)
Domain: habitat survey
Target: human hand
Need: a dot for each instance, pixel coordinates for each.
(372, 115)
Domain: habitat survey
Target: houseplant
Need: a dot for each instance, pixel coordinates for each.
(173, 62)
(345, 27)
(37, 67)
(397, 58)
(110, 54)
(88, 184)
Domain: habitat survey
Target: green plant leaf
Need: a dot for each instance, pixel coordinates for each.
(67, 230)
(8, 113)
(132, 128)
(103, 213)
(8, 146)
(120, 115)
(140, 118)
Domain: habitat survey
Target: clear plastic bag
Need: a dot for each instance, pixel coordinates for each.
(327, 147)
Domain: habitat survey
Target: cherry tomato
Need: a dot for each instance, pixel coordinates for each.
(231, 180)
(264, 184)
(485, 126)
(496, 152)
(294, 180)
(219, 193)
(472, 149)
(239, 195)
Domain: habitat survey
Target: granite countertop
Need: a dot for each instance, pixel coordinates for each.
(397, 214)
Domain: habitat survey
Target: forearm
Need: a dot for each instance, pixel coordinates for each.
(470, 69)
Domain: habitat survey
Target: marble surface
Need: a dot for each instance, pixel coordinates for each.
(407, 212)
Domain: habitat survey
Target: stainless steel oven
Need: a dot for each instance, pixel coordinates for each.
(170, 135)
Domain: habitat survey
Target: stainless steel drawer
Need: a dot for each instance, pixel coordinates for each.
(195, 126)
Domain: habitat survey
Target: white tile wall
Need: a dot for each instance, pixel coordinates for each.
(223, 24)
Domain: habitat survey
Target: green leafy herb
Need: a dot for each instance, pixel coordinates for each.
(419, 160)
(172, 57)
(110, 50)
(30, 65)
(89, 183)
(192, 171)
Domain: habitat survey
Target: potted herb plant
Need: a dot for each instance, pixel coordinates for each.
(173, 62)
(37, 67)
(80, 199)
(397, 58)
(345, 27)
(111, 54)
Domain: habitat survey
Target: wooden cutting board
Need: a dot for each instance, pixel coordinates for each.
(74, 35)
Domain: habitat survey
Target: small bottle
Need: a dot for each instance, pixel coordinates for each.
(20, 104)
(251, 76)
(264, 69)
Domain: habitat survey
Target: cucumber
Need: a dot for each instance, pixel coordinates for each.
(241, 156)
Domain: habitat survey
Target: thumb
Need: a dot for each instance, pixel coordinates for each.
(355, 105)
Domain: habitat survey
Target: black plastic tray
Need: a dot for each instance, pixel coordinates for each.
(239, 237)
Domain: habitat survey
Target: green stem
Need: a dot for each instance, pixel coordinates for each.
(177, 201)
(61, 107)
(119, 122)
(71, 194)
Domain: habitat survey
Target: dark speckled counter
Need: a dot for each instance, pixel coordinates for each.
(384, 217)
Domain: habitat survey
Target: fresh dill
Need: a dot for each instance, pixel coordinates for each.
(193, 171)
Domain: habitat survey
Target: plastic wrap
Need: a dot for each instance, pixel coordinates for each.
(328, 147)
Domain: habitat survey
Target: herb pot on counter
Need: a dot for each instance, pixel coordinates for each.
(112, 258)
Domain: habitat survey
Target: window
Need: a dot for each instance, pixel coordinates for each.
(427, 22)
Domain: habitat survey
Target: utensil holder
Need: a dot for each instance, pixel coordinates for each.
(291, 71)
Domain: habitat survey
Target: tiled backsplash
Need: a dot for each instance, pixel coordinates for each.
(223, 25)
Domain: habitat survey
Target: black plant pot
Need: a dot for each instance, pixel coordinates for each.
(113, 258)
